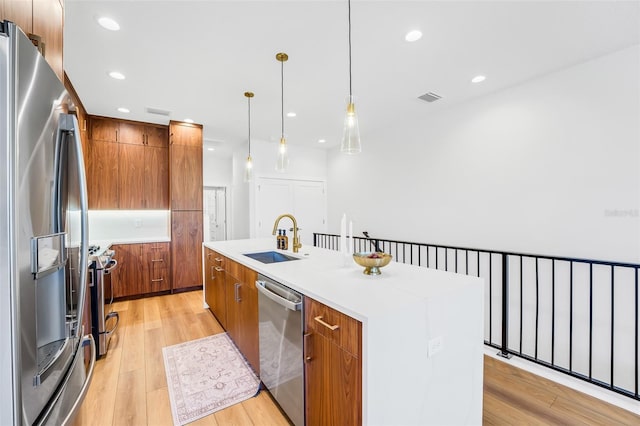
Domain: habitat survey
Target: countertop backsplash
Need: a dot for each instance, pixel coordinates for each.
(122, 226)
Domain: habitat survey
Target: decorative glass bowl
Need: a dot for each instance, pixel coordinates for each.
(372, 261)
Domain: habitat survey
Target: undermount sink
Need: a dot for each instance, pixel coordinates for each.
(270, 257)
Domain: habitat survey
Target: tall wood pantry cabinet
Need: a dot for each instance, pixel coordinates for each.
(185, 192)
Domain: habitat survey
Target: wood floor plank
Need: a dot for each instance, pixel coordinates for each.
(133, 355)
(159, 408)
(152, 317)
(131, 399)
(262, 410)
(235, 415)
(156, 377)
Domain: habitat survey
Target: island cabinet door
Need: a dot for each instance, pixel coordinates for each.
(333, 366)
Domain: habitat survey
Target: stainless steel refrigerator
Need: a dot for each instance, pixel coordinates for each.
(43, 242)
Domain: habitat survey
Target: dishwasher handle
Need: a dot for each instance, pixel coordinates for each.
(262, 288)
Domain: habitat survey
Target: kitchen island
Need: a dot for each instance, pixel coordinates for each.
(422, 330)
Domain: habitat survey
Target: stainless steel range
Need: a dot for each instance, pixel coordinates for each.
(104, 320)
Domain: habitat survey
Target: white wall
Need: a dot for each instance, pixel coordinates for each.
(217, 170)
(548, 167)
(304, 163)
(129, 225)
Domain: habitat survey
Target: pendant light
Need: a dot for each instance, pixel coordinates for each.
(283, 158)
(248, 170)
(351, 133)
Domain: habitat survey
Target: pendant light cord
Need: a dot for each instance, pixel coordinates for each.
(350, 91)
(249, 103)
(282, 96)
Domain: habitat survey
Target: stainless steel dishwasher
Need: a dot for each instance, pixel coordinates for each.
(281, 363)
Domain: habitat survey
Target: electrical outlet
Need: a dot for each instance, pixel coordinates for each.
(138, 223)
(435, 345)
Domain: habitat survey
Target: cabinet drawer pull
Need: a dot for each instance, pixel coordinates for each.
(237, 292)
(156, 280)
(218, 259)
(157, 260)
(330, 327)
(213, 277)
(219, 269)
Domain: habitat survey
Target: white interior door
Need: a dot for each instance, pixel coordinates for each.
(273, 198)
(310, 209)
(215, 213)
(304, 199)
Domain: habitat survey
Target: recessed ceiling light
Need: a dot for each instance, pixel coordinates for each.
(413, 35)
(211, 149)
(125, 110)
(117, 75)
(188, 120)
(291, 114)
(322, 140)
(108, 23)
(478, 79)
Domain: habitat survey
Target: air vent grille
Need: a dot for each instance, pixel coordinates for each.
(430, 97)
(158, 111)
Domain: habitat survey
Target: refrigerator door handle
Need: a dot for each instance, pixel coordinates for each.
(87, 339)
(68, 126)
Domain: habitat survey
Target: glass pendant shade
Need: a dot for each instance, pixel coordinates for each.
(283, 159)
(351, 133)
(248, 170)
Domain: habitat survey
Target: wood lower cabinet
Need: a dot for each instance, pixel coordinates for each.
(127, 278)
(333, 366)
(215, 285)
(242, 311)
(142, 269)
(186, 249)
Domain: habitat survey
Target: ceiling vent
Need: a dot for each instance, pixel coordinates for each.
(430, 97)
(158, 111)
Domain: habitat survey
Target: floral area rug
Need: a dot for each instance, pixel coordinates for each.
(206, 375)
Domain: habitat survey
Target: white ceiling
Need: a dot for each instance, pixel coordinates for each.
(197, 58)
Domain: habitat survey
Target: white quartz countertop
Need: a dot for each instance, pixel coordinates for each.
(337, 281)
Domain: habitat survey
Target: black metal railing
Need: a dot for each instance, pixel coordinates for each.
(576, 316)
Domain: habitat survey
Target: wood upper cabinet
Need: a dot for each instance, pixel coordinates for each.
(185, 166)
(215, 285)
(142, 163)
(185, 171)
(333, 366)
(131, 179)
(103, 129)
(186, 134)
(42, 21)
(48, 21)
(19, 12)
(186, 249)
(156, 177)
(102, 175)
(242, 311)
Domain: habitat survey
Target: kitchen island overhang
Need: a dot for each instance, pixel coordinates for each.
(422, 330)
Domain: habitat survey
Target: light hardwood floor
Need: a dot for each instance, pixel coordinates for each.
(129, 385)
